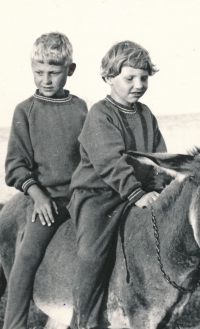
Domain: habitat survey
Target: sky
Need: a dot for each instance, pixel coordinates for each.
(168, 29)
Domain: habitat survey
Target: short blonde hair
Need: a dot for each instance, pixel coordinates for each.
(54, 48)
(126, 53)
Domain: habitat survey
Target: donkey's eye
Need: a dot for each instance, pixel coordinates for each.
(191, 177)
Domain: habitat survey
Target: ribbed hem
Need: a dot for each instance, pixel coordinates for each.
(66, 98)
(136, 195)
(121, 107)
(29, 182)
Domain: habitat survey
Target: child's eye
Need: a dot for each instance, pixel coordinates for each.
(39, 73)
(144, 78)
(129, 79)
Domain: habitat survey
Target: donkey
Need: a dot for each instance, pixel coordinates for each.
(157, 262)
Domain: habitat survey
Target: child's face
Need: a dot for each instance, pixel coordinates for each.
(50, 79)
(128, 86)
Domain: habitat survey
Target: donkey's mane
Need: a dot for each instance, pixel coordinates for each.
(195, 151)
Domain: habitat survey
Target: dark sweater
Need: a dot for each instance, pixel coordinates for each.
(43, 146)
(109, 132)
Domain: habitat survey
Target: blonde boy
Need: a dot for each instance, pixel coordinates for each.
(43, 152)
(104, 180)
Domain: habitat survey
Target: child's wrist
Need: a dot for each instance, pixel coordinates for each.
(35, 192)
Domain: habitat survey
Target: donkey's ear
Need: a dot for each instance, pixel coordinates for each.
(175, 162)
(152, 176)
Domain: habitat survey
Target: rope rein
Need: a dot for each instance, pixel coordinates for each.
(157, 242)
(167, 278)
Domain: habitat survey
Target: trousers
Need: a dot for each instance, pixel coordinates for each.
(96, 215)
(35, 240)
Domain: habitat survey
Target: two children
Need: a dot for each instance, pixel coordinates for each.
(43, 152)
(104, 181)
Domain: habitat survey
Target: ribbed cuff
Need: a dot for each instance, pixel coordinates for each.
(136, 195)
(29, 182)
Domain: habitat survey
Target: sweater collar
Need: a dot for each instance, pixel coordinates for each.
(63, 99)
(121, 107)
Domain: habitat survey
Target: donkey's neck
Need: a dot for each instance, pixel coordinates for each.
(175, 223)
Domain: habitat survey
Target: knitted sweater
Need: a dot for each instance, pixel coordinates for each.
(43, 147)
(109, 132)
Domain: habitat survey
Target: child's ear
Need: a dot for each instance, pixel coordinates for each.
(109, 80)
(71, 69)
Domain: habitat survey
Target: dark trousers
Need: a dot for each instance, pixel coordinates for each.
(96, 214)
(28, 258)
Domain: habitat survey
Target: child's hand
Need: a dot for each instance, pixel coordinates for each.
(147, 199)
(43, 206)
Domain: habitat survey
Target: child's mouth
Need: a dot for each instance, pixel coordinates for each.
(47, 88)
(137, 94)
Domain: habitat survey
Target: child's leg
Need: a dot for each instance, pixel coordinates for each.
(96, 226)
(29, 256)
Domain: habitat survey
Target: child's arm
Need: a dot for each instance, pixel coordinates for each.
(103, 142)
(159, 143)
(159, 146)
(20, 165)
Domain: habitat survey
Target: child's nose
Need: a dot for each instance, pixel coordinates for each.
(138, 84)
(46, 78)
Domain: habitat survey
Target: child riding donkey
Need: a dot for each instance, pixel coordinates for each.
(43, 152)
(104, 180)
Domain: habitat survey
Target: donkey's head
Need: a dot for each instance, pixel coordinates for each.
(163, 168)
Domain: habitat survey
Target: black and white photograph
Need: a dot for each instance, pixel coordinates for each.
(100, 164)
